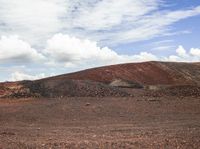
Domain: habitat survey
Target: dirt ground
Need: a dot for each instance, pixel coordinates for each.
(98, 123)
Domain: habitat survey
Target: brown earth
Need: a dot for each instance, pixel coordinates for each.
(146, 73)
(100, 123)
(106, 81)
(158, 107)
(59, 88)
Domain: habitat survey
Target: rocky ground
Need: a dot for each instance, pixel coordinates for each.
(139, 105)
(90, 122)
(161, 78)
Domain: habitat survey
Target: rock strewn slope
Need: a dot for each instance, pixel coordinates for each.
(98, 82)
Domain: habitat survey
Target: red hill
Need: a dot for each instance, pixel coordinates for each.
(108, 80)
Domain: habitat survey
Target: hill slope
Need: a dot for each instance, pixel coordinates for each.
(98, 82)
(146, 73)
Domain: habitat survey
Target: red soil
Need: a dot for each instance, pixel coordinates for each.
(94, 82)
(147, 73)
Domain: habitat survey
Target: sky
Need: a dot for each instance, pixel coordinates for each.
(42, 38)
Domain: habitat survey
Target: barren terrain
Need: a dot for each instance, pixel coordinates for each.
(144, 105)
(100, 123)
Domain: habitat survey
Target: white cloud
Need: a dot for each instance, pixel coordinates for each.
(143, 56)
(182, 55)
(105, 14)
(67, 49)
(105, 21)
(181, 51)
(151, 25)
(19, 76)
(34, 20)
(13, 49)
(163, 48)
(73, 51)
(173, 58)
(195, 52)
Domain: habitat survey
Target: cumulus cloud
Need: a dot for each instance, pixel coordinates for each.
(75, 51)
(63, 50)
(13, 49)
(19, 76)
(182, 55)
(72, 52)
(181, 51)
(195, 52)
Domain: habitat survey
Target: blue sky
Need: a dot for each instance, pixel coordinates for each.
(40, 38)
(188, 39)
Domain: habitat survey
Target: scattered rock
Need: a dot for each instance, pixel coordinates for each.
(87, 104)
(7, 133)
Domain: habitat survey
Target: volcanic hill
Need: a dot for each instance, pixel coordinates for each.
(103, 81)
